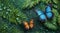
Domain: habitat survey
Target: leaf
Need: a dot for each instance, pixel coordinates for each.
(50, 26)
(25, 3)
(59, 20)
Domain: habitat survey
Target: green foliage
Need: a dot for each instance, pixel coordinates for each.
(55, 1)
(59, 20)
(12, 14)
(59, 7)
(51, 26)
(25, 3)
(12, 10)
(7, 27)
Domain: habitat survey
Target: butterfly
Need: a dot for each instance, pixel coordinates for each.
(48, 12)
(28, 26)
(41, 14)
(31, 24)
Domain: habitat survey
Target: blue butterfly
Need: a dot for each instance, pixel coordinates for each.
(49, 13)
(42, 16)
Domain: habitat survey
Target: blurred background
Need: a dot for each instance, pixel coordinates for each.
(14, 12)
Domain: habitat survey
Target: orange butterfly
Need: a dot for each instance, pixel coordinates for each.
(31, 24)
(27, 25)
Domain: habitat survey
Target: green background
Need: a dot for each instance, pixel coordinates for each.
(14, 12)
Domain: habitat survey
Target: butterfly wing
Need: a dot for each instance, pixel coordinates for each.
(26, 26)
(48, 11)
(31, 23)
(42, 16)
